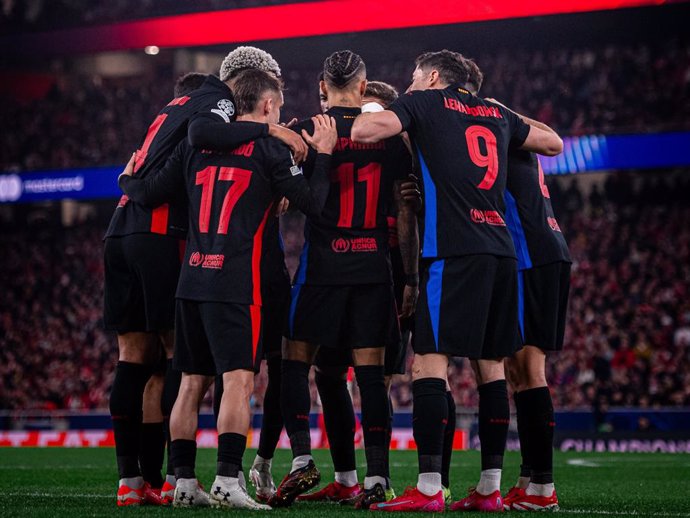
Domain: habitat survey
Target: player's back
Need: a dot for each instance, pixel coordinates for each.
(462, 144)
(163, 135)
(231, 198)
(536, 234)
(348, 243)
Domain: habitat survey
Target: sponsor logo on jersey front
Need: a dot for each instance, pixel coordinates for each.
(358, 244)
(490, 217)
(212, 261)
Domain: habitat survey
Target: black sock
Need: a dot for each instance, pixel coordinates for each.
(230, 451)
(494, 418)
(272, 422)
(126, 400)
(217, 396)
(375, 418)
(339, 418)
(171, 387)
(539, 421)
(429, 418)
(525, 466)
(151, 453)
(389, 435)
(448, 438)
(183, 455)
(295, 402)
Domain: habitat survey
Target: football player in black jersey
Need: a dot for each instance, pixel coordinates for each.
(543, 287)
(332, 368)
(468, 295)
(231, 195)
(142, 260)
(342, 295)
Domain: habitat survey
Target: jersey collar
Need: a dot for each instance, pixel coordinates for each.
(344, 110)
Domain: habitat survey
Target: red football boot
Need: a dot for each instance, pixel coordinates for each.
(152, 496)
(535, 503)
(474, 501)
(514, 493)
(127, 496)
(412, 500)
(333, 492)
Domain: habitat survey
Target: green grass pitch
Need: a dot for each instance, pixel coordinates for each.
(56, 483)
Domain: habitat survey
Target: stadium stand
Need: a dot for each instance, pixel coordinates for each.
(615, 88)
(628, 333)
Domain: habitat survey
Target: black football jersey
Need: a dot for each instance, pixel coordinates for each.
(231, 198)
(462, 143)
(165, 132)
(348, 243)
(536, 234)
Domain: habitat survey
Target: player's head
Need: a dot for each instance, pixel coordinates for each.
(323, 99)
(434, 70)
(243, 58)
(259, 95)
(380, 92)
(188, 83)
(344, 74)
(475, 76)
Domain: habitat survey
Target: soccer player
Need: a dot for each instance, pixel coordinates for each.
(142, 261)
(543, 287)
(468, 299)
(188, 83)
(342, 295)
(333, 370)
(218, 310)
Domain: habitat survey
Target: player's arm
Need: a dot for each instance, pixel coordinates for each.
(408, 239)
(166, 184)
(207, 131)
(373, 127)
(289, 181)
(539, 138)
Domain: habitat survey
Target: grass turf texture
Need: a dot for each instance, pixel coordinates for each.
(57, 482)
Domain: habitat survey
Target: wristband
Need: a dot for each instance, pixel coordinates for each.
(412, 279)
(372, 107)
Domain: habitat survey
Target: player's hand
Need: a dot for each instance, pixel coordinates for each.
(292, 139)
(282, 207)
(492, 100)
(409, 302)
(129, 168)
(325, 134)
(289, 124)
(410, 194)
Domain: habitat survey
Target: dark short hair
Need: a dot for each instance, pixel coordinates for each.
(188, 83)
(342, 67)
(250, 85)
(475, 76)
(382, 91)
(450, 65)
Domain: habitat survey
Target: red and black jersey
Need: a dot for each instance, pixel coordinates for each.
(230, 198)
(462, 144)
(529, 215)
(165, 132)
(348, 243)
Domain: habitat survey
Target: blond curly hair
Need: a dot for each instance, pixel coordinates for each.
(246, 57)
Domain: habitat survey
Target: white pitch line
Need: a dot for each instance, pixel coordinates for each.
(54, 495)
(620, 513)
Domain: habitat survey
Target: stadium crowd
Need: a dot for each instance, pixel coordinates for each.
(620, 88)
(628, 332)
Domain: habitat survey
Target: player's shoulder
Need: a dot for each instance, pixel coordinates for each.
(304, 124)
(521, 159)
(272, 148)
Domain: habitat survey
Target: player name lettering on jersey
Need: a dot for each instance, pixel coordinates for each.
(474, 111)
(345, 143)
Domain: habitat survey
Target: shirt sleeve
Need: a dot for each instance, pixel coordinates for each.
(288, 180)
(161, 186)
(207, 131)
(517, 128)
(309, 163)
(405, 107)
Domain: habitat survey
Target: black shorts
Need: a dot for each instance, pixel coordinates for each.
(276, 305)
(468, 307)
(216, 337)
(542, 304)
(348, 317)
(141, 274)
